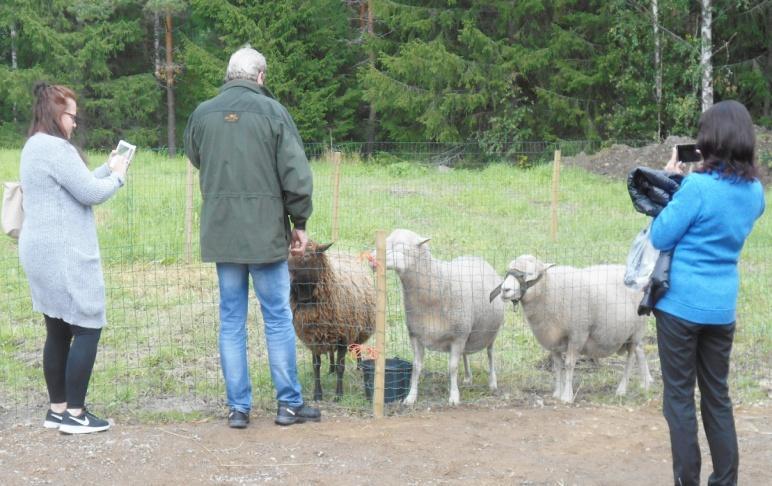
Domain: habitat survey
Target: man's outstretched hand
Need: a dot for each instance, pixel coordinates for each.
(298, 242)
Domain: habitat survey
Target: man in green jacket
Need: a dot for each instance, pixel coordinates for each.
(255, 181)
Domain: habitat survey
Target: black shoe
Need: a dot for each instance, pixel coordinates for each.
(287, 415)
(237, 419)
(53, 420)
(85, 423)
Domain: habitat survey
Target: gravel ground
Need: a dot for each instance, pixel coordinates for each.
(541, 444)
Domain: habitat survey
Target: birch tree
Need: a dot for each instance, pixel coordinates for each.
(657, 65)
(706, 55)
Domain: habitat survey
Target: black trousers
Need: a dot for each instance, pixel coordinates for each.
(690, 351)
(68, 359)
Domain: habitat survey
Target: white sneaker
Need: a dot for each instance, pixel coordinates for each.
(53, 420)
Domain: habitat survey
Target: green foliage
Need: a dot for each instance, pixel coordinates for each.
(310, 51)
(492, 71)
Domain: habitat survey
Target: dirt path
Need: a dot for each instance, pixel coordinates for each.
(553, 445)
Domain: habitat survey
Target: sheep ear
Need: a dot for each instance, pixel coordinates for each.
(540, 270)
(323, 248)
(423, 240)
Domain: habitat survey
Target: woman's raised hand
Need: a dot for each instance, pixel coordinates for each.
(118, 164)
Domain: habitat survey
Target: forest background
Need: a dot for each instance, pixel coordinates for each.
(486, 71)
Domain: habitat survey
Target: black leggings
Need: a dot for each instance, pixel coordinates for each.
(68, 358)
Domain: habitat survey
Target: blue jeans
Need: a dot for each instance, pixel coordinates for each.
(272, 287)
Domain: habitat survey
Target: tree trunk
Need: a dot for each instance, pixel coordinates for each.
(157, 44)
(171, 124)
(768, 68)
(706, 63)
(371, 56)
(657, 67)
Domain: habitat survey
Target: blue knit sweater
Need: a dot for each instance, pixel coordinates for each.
(706, 224)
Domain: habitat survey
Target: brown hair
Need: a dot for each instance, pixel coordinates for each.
(50, 104)
(727, 141)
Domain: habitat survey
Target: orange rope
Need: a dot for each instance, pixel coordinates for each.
(360, 350)
(368, 257)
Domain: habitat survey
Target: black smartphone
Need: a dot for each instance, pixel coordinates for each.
(688, 153)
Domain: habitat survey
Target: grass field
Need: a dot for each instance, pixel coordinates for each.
(159, 354)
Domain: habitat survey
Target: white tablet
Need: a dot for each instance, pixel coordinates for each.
(126, 149)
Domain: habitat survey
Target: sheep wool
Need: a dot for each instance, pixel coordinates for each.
(333, 305)
(578, 311)
(446, 306)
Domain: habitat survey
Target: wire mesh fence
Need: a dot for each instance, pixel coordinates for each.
(159, 351)
(473, 153)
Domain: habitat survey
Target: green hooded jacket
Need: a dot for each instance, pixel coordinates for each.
(254, 175)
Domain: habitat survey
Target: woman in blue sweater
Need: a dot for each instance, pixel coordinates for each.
(706, 225)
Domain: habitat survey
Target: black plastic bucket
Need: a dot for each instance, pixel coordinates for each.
(397, 382)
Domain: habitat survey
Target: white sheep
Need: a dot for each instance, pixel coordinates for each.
(446, 306)
(578, 311)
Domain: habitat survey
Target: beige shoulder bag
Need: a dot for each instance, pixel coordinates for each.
(12, 212)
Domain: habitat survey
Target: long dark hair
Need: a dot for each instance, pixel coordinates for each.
(727, 141)
(50, 104)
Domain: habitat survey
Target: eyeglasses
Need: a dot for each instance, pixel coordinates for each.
(74, 117)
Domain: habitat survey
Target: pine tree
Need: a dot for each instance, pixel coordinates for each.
(311, 52)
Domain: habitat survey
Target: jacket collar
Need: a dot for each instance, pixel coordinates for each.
(250, 85)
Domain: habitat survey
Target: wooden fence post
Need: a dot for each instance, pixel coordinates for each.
(380, 324)
(336, 156)
(189, 212)
(555, 187)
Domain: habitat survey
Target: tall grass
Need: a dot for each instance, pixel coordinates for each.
(159, 350)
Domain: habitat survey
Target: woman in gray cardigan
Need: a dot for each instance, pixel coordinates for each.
(59, 252)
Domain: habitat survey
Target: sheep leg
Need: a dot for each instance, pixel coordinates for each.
(644, 366)
(340, 369)
(456, 350)
(622, 388)
(418, 361)
(557, 368)
(317, 361)
(492, 383)
(568, 374)
(331, 354)
(467, 373)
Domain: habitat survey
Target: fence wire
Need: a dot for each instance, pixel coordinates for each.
(159, 351)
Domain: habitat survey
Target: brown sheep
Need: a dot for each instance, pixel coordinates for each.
(333, 305)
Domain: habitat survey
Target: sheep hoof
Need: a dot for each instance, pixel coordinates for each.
(317, 397)
(409, 400)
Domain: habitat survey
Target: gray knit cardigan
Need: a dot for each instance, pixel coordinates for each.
(58, 246)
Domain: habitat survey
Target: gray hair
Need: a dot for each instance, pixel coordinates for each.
(246, 63)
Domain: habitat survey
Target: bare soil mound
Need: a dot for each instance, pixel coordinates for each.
(618, 160)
